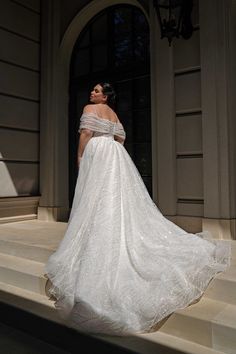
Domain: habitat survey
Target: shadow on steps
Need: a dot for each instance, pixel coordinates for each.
(32, 334)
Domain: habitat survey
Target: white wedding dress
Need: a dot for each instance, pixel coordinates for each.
(122, 266)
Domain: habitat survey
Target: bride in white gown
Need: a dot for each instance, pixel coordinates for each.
(122, 266)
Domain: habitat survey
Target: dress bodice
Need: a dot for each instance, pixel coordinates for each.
(101, 126)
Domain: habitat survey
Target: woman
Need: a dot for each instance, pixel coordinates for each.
(122, 266)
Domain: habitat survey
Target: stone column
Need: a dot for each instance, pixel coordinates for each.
(52, 205)
(218, 58)
(163, 119)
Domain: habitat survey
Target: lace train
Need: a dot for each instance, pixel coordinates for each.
(122, 266)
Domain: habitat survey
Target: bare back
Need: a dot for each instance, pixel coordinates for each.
(105, 112)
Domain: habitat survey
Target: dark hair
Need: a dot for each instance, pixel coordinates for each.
(109, 91)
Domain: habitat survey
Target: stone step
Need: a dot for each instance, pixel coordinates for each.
(34, 239)
(223, 286)
(233, 250)
(151, 343)
(22, 273)
(209, 323)
(167, 344)
(29, 301)
(24, 250)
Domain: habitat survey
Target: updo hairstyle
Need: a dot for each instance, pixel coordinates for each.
(109, 91)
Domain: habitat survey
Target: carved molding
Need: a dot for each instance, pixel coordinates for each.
(18, 208)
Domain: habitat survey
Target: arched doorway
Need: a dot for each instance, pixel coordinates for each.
(114, 47)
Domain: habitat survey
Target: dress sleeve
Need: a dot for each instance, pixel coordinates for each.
(89, 121)
(119, 131)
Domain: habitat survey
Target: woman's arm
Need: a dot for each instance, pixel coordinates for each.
(85, 136)
(119, 139)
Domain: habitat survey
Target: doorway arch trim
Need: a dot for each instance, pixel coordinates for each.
(61, 94)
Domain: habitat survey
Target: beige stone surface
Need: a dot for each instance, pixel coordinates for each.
(31, 4)
(19, 19)
(189, 134)
(34, 232)
(25, 147)
(223, 288)
(188, 91)
(12, 78)
(189, 178)
(207, 327)
(19, 179)
(220, 228)
(17, 113)
(186, 53)
(28, 55)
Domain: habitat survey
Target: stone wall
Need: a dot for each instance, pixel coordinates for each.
(19, 101)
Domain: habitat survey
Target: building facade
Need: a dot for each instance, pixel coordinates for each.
(184, 93)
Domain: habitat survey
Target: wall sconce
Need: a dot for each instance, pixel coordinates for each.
(174, 17)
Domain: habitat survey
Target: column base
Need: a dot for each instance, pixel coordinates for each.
(220, 228)
(224, 229)
(53, 214)
(13, 209)
(191, 224)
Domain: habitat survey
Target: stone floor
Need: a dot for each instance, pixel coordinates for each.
(34, 232)
(207, 327)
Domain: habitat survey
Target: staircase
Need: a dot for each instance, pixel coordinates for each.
(25, 247)
(209, 326)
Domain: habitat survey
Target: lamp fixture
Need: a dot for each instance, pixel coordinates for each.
(174, 17)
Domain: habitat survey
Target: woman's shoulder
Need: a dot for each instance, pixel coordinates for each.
(89, 108)
(101, 111)
(107, 112)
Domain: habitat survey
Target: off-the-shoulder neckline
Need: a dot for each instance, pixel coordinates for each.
(101, 118)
